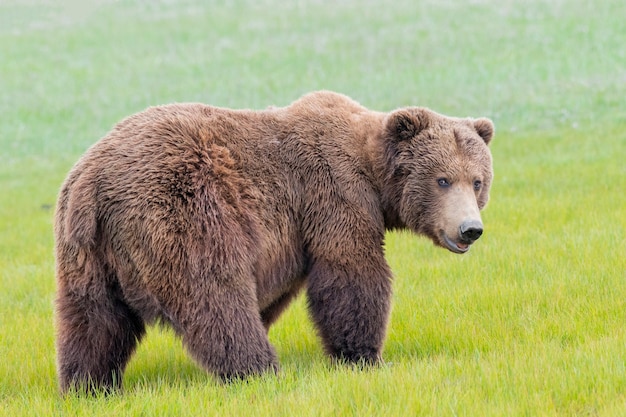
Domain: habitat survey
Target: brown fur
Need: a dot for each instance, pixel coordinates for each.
(212, 220)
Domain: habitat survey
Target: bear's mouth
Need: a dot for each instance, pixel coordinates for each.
(456, 247)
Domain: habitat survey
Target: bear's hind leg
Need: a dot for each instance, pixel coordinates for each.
(97, 332)
(221, 325)
(227, 337)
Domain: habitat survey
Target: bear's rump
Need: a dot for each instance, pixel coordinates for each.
(168, 240)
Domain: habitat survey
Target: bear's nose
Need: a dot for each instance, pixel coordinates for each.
(471, 230)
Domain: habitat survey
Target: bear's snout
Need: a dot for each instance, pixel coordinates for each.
(471, 230)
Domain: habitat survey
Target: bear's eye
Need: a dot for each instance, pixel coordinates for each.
(443, 182)
(477, 185)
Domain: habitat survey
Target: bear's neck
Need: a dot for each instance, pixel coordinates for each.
(378, 168)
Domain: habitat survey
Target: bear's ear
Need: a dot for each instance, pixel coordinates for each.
(485, 129)
(405, 124)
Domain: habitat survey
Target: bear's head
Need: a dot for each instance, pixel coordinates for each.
(437, 175)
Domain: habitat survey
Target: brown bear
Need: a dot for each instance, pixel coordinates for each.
(213, 220)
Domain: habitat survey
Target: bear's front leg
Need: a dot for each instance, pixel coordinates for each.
(350, 303)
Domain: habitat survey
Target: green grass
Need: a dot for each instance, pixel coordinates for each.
(532, 322)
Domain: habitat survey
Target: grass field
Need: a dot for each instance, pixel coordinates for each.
(532, 322)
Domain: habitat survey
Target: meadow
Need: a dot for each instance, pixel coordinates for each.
(531, 322)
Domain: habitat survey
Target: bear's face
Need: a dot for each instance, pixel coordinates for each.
(439, 172)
